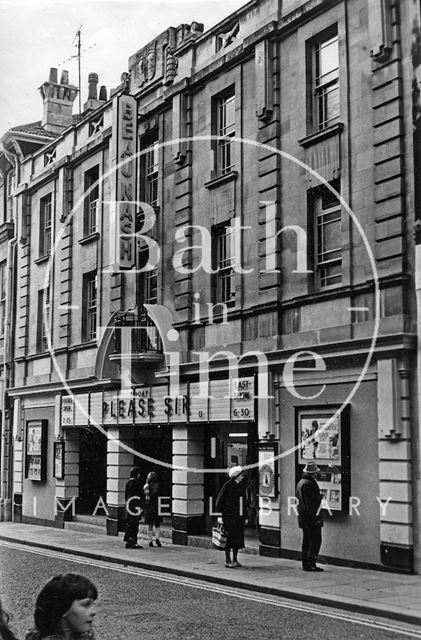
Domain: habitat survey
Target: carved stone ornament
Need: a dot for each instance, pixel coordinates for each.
(146, 64)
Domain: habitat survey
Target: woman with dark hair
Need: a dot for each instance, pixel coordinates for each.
(65, 609)
(152, 517)
(5, 632)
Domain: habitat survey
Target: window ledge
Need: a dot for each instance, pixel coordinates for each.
(42, 259)
(91, 238)
(222, 179)
(314, 138)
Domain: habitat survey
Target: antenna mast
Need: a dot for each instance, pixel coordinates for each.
(79, 71)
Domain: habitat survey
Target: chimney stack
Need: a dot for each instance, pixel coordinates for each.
(58, 102)
(93, 102)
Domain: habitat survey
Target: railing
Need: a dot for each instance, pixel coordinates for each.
(144, 336)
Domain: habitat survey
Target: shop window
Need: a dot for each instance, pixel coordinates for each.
(149, 174)
(2, 296)
(223, 259)
(327, 223)
(324, 55)
(223, 126)
(45, 225)
(43, 324)
(91, 202)
(90, 303)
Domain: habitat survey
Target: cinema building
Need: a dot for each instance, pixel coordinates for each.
(216, 266)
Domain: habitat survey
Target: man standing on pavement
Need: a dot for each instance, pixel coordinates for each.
(133, 496)
(309, 518)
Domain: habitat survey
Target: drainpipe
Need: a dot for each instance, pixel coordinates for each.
(6, 455)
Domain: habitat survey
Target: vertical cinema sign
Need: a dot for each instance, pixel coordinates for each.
(126, 182)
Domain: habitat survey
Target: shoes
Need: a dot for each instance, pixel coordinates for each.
(151, 543)
(230, 565)
(158, 543)
(313, 569)
(133, 546)
(237, 564)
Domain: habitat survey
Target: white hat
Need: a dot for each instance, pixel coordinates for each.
(235, 471)
(311, 467)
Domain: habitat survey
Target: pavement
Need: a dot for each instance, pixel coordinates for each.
(389, 595)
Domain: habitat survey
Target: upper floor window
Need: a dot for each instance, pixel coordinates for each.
(2, 296)
(45, 225)
(224, 128)
(43, 324)
(328, 241)
(89, 307)
(149, 169)
(325, 81)
(91, 203)
(223, 252)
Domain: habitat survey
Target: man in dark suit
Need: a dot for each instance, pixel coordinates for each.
(309, 517)
(134, 500)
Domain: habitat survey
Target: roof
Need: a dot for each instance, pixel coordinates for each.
(36, 129)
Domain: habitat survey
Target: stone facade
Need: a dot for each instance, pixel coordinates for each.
(246, 122)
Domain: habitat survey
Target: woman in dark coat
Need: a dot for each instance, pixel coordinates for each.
(232, 503)
(152, 517)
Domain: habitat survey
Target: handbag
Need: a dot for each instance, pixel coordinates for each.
(219, 537)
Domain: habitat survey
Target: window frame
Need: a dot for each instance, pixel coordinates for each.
(223, 264)
(223, 149)
(44, 319)
(3, 295)
(149, 172)
(45, 225)
(327, 210)
(90, 307)
(323, 85)
(91, 201)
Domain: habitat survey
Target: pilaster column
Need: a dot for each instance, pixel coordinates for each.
(119, 462)
(67, 489)
(188, 491)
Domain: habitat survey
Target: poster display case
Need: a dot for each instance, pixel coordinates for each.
(36, 450)
(59, 460)
(268, 469)
(323, 437)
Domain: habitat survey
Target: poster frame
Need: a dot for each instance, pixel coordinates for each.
(59, 454)
(36, 447)
(343, 468)
(270, 448)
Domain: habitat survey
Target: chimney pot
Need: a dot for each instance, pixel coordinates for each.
(103, 93)
(64, 77)
(53, 75)
(92, 86)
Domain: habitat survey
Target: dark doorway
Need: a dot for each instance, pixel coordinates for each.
(156, 443)
(92, 470)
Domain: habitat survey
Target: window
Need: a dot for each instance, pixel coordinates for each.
(149, 167)
(91, 204)
(43, 324)
(224, 286)
(45, 225)
(224, 127)
(2, 296)
(147, 283)
(327, 209)
(325, 82)
(89, 315)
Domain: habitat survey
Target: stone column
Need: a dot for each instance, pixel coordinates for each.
(119, 462)
(188, 491)
(67, 489)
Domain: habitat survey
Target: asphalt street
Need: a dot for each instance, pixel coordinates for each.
(135, 603)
